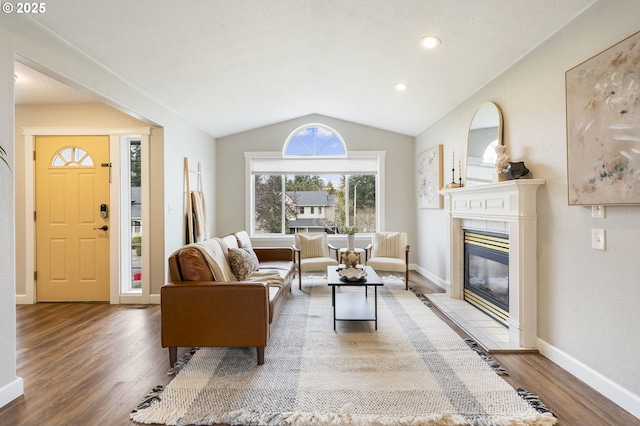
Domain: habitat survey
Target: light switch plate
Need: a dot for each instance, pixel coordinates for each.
(598, 239)
(597, 212)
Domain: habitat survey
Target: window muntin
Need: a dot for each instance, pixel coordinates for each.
(313, 140)
(72, 156)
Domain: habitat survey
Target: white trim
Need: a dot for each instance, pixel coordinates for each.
(124, 209)
(138, 299)
(248, 190)
(146, 217)
(613, 391)
(431, 277)
(85, 131)
(30, 231)
(29, 191)
(22, 299)
(352, 164)
(11, 391)
(381, 196)
(115, 264)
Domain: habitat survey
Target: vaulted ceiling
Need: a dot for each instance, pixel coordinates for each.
(233, 65)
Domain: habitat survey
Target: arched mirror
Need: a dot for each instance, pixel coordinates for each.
(485, 133)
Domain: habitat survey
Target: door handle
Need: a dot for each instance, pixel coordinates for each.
(102, 228)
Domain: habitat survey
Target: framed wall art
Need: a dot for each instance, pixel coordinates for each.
(603, 127)
(429, 173)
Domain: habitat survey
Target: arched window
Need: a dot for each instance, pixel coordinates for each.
(71, 157)
(314, 186)
(312, 140)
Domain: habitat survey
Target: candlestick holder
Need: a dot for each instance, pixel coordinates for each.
(453, 183)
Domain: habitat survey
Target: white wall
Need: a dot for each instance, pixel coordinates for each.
(20, 36)
(587, 300)
(10, 385)
(399, 177)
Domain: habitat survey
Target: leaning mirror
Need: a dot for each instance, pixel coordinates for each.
(485, 133)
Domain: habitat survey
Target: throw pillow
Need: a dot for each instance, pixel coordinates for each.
(244, 241)
(242, 262)
(386, 244)
(311, 245)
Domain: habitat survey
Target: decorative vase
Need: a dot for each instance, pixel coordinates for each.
(515, 170)
(351, 241)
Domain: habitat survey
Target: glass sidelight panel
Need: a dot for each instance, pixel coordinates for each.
(131, 211)
(135, 163)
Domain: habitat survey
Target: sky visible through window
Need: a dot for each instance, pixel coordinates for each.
(314, 141)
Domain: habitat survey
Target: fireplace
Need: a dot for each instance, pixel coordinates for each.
(507, 208)
(486, 273)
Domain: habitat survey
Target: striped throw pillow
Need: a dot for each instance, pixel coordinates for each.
(386, 244)
(311, 246)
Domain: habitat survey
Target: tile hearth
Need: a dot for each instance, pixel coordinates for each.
(488, 333)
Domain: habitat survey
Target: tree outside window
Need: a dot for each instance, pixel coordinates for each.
(330, 217)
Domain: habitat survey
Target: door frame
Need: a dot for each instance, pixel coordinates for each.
(115, 246)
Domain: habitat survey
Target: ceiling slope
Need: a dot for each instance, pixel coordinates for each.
(233, 65)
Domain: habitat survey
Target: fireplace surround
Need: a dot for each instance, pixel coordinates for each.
(508, 208)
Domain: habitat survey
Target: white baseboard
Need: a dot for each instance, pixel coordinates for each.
(22, 299)
(436, 280)
(11, 391)
(616, 393)
(154, 299)
(136, 299)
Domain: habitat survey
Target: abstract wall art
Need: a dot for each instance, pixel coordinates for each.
(429, 175)
(603, 127)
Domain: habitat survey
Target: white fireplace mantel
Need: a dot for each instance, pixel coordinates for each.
(508, 207)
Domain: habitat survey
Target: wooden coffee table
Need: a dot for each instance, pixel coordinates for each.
(354, 306)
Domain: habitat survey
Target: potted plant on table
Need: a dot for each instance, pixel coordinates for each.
(351, 237)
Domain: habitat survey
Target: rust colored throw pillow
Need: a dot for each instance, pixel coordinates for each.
(243, 262)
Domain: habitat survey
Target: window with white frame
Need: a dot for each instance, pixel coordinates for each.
(314, 186)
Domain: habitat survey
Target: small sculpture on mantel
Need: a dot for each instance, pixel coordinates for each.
(503, 159)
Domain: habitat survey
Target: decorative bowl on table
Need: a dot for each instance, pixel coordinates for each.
(352, 274)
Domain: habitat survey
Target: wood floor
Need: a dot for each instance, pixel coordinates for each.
(90, 364)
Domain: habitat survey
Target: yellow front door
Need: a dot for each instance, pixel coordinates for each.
(72, 218)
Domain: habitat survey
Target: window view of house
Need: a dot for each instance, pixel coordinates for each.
(314, 203)
(312, 217)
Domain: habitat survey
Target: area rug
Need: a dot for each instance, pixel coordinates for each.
(413, 370)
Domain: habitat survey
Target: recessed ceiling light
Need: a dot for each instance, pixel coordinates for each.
(429, 42)
(401, 87)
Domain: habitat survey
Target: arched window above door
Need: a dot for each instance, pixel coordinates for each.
(72, 156)
(314, 140)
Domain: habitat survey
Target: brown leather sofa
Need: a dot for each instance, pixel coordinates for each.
(198, 310)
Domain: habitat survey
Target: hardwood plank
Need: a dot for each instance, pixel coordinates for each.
(570, 399)
(90, 364)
